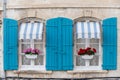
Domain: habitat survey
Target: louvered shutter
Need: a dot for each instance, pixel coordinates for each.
(59, 55)
(110, 44)
(67, 43)
(10, 44)
(51, 44)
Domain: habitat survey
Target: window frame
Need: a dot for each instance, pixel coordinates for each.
(99, 67)
(34, 67)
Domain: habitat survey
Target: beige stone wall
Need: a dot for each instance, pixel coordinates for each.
(1, 4)
(1, 67)
(61, 3)
(0, 46)
(45, 9)
(1, 56)
(72, 13)
(73, 2)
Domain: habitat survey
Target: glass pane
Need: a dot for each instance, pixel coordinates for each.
(40, 47)
(94, 40)
(96, 46)
(80, 40)
(78, 46)
(25, 46)
(80, 61)
(25, 40)
(25, 61)
(38, 40)
(39, 60)
(94, 61)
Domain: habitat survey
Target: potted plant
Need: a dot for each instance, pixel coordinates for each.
(87, 53)
(31, 53)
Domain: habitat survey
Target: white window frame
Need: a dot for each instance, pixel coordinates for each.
(99, 67)
(32, 66)
(32, 43)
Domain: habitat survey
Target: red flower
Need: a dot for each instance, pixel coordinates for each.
(94, 50)
(81, 51)
(87, 51)
(88, 48)
(84, 51)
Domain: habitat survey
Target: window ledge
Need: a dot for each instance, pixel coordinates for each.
(88, 71)
(33, 72)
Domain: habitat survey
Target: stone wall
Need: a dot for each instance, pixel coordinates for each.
(72, 13)
(1, 4)
(1, 56)
(62, 3)
(73, 9)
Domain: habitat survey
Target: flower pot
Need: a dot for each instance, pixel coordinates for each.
(87, 57)
(31, 56)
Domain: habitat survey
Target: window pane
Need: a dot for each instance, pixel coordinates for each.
(37, 40)
(80, 40)
(25, 40)
(40, 47)
(39, 60)
(25, 46)
(78, 46)
(94, 40)
(94, 61)
(96, 46)
(25, 61)
(80, 61)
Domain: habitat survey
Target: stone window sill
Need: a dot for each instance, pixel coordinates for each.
(32, 72)
(88, 71)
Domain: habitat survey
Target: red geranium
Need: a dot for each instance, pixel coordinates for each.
(87, 51)
(94, 50)
(88, 48)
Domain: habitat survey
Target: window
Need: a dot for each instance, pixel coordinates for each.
(93, 63)
(33, 37)
(39, 62)
(84, 38)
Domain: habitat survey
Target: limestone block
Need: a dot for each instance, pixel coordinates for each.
(62, 3)
(31, 13)
(87, 12)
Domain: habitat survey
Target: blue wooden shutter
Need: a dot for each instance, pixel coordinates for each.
(59, 55)
(51, 44)
(10, 44)
(110, 44)
(67, 44)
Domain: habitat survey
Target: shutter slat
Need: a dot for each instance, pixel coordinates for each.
(10, 44)
(110, 44)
